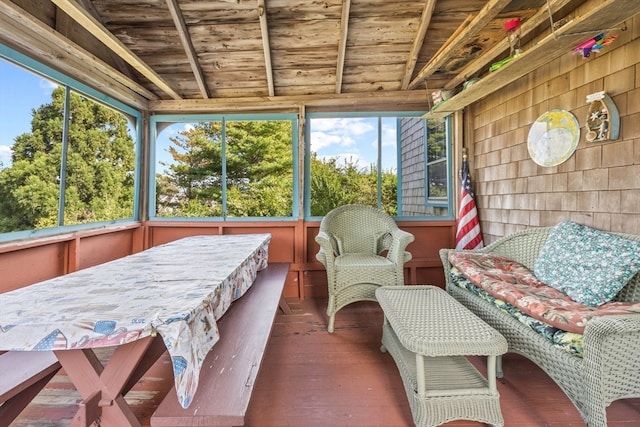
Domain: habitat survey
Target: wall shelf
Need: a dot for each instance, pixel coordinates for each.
(606, 15)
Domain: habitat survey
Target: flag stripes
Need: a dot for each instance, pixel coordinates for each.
(468, 234)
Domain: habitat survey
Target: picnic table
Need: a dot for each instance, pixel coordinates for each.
(168, 297)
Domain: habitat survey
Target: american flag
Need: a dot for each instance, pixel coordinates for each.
(468, 235)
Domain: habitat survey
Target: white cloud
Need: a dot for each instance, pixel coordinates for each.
(389, 136)
(344, 132)
(320, 140)
(47, 86)
(5, 155)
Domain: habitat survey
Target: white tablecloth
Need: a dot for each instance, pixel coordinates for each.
(178, 290)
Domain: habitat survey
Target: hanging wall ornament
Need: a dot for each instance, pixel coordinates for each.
(594, 44)
(513, 29)
(603, 120)
(553, 137)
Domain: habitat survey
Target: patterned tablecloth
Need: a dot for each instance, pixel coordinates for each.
(178, 290)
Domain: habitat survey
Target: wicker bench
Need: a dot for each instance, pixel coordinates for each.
(231, 367)
(610, 368)
(24, 374)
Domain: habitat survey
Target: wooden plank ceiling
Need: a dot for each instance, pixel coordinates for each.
(250, 49)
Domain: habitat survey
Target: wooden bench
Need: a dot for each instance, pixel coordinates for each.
(22, 375)
(231, 367)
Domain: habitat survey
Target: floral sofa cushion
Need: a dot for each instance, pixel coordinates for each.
(589, 265)
(515, 284)
(570, 342)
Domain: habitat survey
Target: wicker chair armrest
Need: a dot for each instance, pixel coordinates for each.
(326, 254)
(400, 240)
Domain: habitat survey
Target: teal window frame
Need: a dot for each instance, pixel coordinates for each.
(441, 202)
(194, 118)
(71, 84)
(448, 203)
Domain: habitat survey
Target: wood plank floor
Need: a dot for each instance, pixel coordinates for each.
(312, 378)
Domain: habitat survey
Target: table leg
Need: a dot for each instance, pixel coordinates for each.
(102, 387)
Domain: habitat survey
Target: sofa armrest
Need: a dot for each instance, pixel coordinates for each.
(613, 334)
(612, 358)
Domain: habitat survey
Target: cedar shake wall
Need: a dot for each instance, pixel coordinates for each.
(413, 166)
(599, 185)
(412, 149)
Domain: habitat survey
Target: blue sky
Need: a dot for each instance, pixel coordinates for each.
(352, 139)
(20, 92)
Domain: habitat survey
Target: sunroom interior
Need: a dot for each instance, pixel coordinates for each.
(175, 118)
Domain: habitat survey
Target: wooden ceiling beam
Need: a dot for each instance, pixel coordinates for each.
(416, 99)
(88, 22)
(418, 41)
(187, 44)
(117, 61)
(528, 27)
(486, 14)
(266, 47)
(25, 33)
(342, 46)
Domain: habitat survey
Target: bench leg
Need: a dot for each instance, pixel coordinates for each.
(282, 304)
(10, 409)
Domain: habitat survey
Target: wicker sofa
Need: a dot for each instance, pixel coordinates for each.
(609, 366)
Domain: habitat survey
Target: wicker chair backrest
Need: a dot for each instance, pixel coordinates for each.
(358, 229)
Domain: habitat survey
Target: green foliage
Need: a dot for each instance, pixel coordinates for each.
(259, 174)
(334, 184)
(99, 172)
(258, 170)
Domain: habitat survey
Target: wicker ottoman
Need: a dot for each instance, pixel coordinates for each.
(428, 334)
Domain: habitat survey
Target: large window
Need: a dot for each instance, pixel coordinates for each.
(65, 158)
(397, 162)
(225, 167)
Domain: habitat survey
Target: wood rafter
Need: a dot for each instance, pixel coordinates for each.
(119, 63)
(266, 47)
(24, 32)
(425, 20)
(342, 46)
(89, 23)
(488, 12)
(528, 27)
(185, 38)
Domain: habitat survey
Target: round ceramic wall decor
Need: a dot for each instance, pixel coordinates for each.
(553, 137)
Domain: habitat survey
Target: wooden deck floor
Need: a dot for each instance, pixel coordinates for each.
(311, 378)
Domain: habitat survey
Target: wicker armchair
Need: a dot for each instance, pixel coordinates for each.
(353, 240)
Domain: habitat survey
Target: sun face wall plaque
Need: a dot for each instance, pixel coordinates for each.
(553, 137)
(603, 120)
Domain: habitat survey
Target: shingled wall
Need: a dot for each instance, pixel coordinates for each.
(599, 185)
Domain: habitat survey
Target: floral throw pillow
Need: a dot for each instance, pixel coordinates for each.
(589, 265)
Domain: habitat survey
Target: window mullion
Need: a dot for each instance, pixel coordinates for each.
(63, 155)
